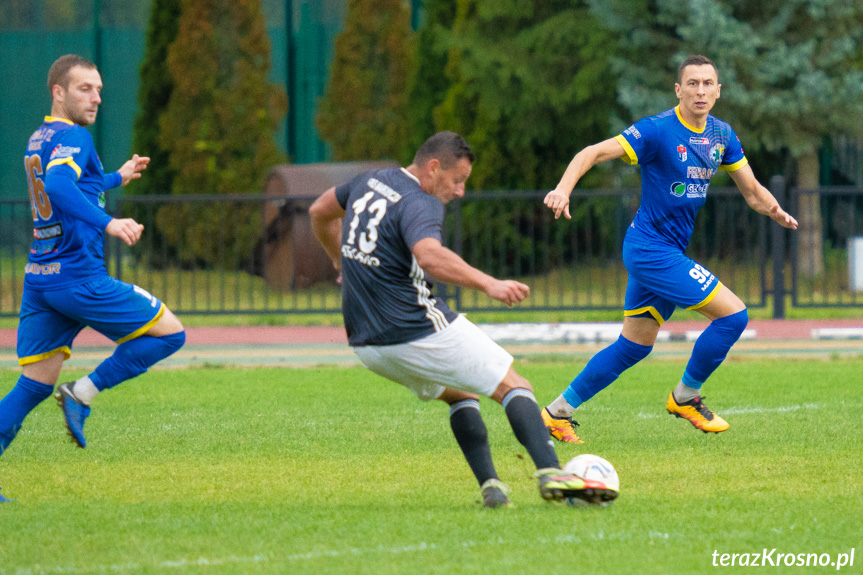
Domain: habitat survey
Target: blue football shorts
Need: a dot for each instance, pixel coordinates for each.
(50, 320)
(661, 279)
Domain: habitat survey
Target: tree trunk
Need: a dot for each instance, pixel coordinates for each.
(810, 255)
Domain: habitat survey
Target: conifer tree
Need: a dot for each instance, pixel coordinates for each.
(219, 127)
(364, 114)
(529, 87)
(154, 93)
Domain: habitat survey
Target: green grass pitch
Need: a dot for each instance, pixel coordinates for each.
(334, 470)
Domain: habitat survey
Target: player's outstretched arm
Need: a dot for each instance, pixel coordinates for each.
(126, 229)
(447, 266)
(558, 198)
(326, 215)
(132, 169)
(760, 199)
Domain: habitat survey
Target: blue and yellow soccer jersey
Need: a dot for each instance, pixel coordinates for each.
(67, 193)
(677, 162)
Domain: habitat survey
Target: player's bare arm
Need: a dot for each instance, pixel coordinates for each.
(132, 169)
(558, 198)
(447, 266)
(326, 215)
(760, 199)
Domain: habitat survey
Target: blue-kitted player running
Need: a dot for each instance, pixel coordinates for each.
(679, 151)
(66, 285)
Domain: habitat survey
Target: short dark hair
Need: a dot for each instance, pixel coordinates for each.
(446, 147)
(59, 71)
(695, 60)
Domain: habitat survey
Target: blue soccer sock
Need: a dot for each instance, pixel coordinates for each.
(603, 368)
(133, 357)
(23, 398)
(712, 346)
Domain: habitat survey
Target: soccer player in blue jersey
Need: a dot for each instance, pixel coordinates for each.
(679, 151)
(66, 285)
(383, 230)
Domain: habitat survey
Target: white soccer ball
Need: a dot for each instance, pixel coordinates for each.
(602, 485)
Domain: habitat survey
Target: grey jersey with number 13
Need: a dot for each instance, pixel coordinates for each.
(386, 297)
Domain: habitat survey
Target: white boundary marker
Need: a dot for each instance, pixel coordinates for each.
(837, 333)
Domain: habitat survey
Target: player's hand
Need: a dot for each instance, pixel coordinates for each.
(782, 218)
(126, 229)
(509, 292)
(558, 202)
(132, 169)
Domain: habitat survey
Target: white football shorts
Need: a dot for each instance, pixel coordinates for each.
(460, 357)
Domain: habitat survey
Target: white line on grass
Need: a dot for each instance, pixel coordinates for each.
(652, 535)
(746, 410)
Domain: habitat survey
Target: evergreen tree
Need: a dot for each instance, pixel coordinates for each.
(429, 83)
(154, 93)
(364, 112)
(219, 127)
(790, 68)
(530, 86)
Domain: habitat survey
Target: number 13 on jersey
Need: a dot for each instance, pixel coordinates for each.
(368, 238)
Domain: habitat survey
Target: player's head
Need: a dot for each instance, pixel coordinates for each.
(75, 86)
(697, 85)
(444, 161)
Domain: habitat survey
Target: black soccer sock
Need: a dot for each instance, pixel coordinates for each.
(472, 436)
(523, 413)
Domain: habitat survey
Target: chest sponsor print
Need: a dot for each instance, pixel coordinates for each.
(679, 189)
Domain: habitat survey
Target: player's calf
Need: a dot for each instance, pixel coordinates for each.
(134, 357)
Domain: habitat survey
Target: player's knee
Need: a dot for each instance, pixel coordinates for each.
(511, 381)
(174, 341)
(734, 324)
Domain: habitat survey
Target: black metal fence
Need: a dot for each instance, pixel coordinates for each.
(246, 254)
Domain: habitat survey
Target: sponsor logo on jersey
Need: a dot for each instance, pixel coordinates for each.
(62, 151)
(716, 153)
(48, 232)
(384, 190)
(633, 131)
(681, 153)
(698, 140)
(102, 199)
(43, 269)
(699, 173)
(356, 255)
(691, 190)
(41, 135)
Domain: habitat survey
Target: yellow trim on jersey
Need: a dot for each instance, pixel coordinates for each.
(649, 309)
(144, 328)
(56, 119)
(735, 166)
(682, 121)
(709, 298)
(68, 161)
(65, 350)
(630, 158)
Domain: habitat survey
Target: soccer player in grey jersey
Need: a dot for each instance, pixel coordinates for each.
(383, 232)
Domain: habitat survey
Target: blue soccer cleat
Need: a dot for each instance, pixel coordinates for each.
(74, 413)
(4, 500)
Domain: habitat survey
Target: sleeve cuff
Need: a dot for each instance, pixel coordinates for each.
(631, 157)
(112, 180)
